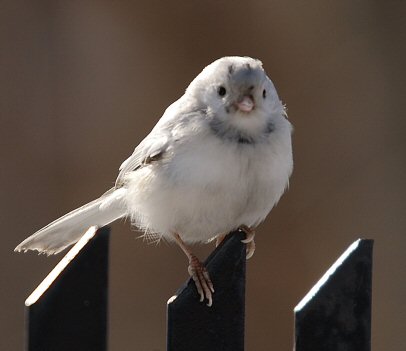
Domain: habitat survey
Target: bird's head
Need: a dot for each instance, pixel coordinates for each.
(237, 96)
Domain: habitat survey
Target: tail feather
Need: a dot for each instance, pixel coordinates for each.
(68, 229)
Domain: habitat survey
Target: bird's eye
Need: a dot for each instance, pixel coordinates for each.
(221, 91)
(264, 93)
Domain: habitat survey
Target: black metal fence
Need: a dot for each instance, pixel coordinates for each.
(68, 310)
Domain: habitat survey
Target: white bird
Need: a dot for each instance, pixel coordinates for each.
(219, 159)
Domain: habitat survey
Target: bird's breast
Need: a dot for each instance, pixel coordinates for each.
(208, 186)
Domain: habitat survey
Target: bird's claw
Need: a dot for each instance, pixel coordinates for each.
(249, 240)
(202, 280)
(250, 249)
(220, 238)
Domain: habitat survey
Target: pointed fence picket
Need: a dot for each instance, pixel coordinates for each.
(68, 310)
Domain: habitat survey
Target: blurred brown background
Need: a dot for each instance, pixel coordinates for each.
(82, 82)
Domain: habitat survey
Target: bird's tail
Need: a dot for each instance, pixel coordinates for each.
(68, 229)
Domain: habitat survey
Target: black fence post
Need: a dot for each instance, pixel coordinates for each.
(336, 313)
(68, 310)
(194, 326)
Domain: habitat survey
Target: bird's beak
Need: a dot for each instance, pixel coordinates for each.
(246, 103)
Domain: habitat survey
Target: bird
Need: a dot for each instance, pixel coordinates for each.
(218, 160)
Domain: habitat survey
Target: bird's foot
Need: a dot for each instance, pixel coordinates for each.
(202, 280)
(249, 240)
(198, 272)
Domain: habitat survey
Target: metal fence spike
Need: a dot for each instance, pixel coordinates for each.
(336, 313)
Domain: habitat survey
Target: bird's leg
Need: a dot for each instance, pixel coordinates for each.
(249, 240)
(198, 272)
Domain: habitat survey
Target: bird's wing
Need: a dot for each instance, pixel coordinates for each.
(168, 130)
(154, 145)
(150, 149)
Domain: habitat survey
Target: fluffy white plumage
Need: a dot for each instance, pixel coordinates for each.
(220, 157)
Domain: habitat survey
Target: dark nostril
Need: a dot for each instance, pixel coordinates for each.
(251, 87)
